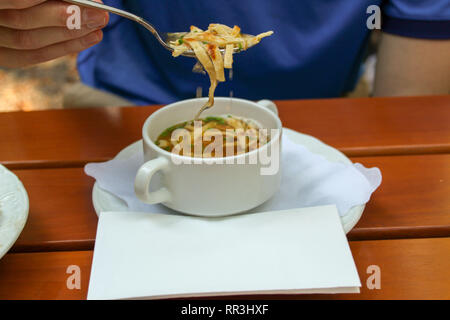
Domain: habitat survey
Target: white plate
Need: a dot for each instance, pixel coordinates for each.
(105, 201)
(14, 207)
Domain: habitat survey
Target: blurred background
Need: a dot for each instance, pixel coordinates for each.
(37, 88)
(42, 87)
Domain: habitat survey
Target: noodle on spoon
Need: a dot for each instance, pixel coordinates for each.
(206, 46)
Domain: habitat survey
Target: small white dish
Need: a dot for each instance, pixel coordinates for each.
(14, 208)
(105, 201)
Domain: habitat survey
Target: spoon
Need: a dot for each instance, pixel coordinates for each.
(164, 38)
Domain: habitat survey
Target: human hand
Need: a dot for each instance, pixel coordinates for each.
(35, 31)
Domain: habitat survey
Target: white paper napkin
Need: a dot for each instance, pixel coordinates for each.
(139, 255)
(308, 179)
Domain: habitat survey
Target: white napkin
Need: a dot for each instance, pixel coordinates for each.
(139, 255)
(308, 179)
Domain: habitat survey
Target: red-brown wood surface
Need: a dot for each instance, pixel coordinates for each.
(410, 269)
(407, 138)
(68, 137)
(367, 126)
(412, 201)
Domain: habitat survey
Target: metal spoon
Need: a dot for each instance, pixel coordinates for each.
(163, 38)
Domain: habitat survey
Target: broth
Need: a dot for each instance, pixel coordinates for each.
(219, 136)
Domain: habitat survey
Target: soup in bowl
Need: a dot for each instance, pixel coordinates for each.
(213, 137)
(189, 175)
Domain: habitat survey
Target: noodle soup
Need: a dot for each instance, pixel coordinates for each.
(219, 136)
(209, 186)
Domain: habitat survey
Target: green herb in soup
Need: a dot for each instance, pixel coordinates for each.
(168, 131)
(216, 119)
(213, 137)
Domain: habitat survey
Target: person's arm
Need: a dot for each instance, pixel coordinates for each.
(35, 31)
(410, 66)
(414, 52)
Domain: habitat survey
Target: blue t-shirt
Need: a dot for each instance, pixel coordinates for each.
(315, 52)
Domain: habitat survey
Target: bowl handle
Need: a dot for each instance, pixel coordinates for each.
(143, 179)
(269, 105)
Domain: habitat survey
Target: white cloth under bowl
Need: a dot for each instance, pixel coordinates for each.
(308, 179)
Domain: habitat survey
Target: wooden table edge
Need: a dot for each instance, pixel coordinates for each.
(363, 259)
(363, 234)
(349, 152)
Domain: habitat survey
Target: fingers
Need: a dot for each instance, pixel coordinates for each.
(35, 31)
(40, 38)
(12, 58)
(47, 14)
(18, 4)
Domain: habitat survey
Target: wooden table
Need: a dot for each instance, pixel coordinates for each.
(405, 229)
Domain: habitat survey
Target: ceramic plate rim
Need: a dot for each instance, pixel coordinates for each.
(349, 220)
(15, 232)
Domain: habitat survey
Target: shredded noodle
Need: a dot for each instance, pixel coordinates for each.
(207, 47)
